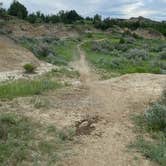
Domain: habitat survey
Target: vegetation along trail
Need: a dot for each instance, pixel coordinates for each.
(113, 102)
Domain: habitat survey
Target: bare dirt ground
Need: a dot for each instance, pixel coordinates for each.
(100, 111)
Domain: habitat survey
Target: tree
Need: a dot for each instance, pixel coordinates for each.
(69, 17)
(2, 11)
(54, 19)
(39, 17)
(32, 18)
(72, 16)
(18, 10)
(97, 21)
(89, 19)
(105, 24)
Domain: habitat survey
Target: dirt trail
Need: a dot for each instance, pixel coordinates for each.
(81, 65)
(113, 103)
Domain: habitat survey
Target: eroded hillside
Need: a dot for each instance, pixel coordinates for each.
(13, 56)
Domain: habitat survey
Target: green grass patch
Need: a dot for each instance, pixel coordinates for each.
(154, 150)
(153, 122)
(134, 55)
(24, 142)
(22, 88)
(52, 50)
(65, 72)
(66, 50)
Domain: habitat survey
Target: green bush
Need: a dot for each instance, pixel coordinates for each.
(89, 35)
(122, 40)
(29, 68)
(43, 50)
(153, 121)
(102, 47)
(164, 97)
(154, 151)
(155, 117)
(127, 38)
(117, 63)
(163, 55)
(136, 36)
(138, 54)
(123, 47)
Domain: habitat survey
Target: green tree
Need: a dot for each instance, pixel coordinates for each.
(97, 21)
(32, 18)
(1, 4)
(18, 10)
(73, 16)
(2, 11)
(69, 17)
(54, 19)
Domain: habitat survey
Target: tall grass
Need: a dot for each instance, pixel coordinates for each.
(21, 88)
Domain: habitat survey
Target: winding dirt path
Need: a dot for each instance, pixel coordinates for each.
(113, 102)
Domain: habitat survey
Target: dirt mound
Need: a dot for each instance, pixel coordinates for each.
(131, 81)
(13, 57)
(149, 33)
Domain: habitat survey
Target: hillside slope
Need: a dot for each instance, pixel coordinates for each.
(19, 28)
(13, 57)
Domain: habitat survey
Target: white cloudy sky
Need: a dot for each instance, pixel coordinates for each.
(155, 9)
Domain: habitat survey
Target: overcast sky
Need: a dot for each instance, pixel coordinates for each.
(155, 9)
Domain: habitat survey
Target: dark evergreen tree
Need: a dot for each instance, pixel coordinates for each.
(32, 18)
(72, 16)
(97, 21)
(18, 10)
(54, 19)
(2, 10)
(69, 17)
